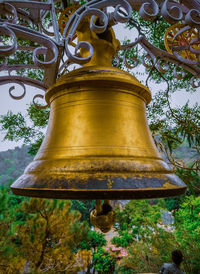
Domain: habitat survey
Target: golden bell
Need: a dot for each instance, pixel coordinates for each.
(98, 144)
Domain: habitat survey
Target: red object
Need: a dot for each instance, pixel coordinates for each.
(121, 252)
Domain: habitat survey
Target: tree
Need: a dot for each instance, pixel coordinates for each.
(9, 262)
(16, 127)
(103, 261)
(92, 242)
(187, 223)
(84, 207)
(41, 235)
(47, 236)
(149, 240)
(143, 232)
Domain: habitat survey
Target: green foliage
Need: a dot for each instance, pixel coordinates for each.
(191, 178)
(137, 213)
(188, 217)
(173, 203)
(188, 123)
(7, 234)
(139, 231)
(187, 222)
(123, 269)
(103, 261)
(34, 147)
(176, 125)
(173, 128)
(93, 240)
(40, 232)
(39, 117)
(17, 128)
(150, 241)
(125, 238)
(153, 30)
(43, 233)
(84, 207)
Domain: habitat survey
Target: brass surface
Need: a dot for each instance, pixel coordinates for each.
(103, 216)
(103, 222)
(98, 144)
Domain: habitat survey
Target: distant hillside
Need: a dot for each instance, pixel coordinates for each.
(13, 163)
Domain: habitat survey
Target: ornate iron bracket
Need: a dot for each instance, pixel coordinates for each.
(32, 27)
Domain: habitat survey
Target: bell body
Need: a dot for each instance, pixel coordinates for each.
(98, 144)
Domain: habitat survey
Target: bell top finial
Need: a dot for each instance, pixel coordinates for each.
(105, 44)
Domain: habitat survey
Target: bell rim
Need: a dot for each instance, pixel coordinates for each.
(89, 195)
(109, 187)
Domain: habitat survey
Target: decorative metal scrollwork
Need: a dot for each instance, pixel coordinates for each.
(149, 10)
(38, 106)
(8, 11)
(171, 12)
(52, 47)
(19, 97)
(192, 18)
(7, 50)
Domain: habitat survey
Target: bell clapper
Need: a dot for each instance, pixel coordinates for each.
(98, 207)
(103, 216)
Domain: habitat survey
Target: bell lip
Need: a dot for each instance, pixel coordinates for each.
(127, 194)
(112, 187)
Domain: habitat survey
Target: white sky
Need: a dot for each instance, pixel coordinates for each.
(7, 103)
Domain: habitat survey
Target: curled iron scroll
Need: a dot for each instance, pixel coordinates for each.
(8, 9)
(118, 16)
(44, 51)
(149, 10)
(195, 82)
(10, 49)
(171, 13)
(179, 75)
(149, 59)
(36, 104)
(162, 66)
(48, 48)
(133, 60)
(74, 20)
(192, 18)
(76, 59)
(19, 97)
(103, 19)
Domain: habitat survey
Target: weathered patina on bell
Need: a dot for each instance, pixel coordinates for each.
(98, 144)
